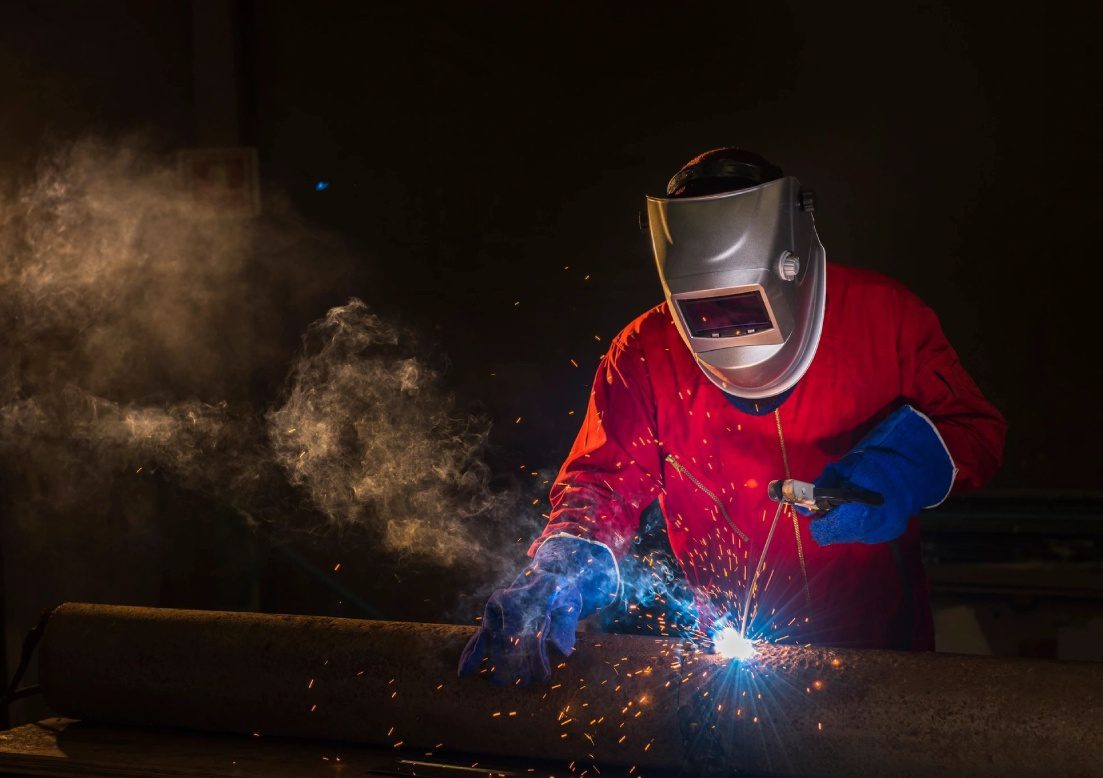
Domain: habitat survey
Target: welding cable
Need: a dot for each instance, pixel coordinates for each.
(758, 570)
(19, 694)
(903, 625)
(327, 580)
(30, 643)
(297, 559)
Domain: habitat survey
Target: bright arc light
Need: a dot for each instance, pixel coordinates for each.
(732, 645)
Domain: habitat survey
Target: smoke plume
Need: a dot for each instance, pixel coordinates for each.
(367, 433)
(133, 319)
(115, 279)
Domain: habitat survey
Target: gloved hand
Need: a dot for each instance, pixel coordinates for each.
(903, 459)
(568, 579)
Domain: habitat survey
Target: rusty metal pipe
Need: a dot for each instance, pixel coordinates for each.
(619, 700)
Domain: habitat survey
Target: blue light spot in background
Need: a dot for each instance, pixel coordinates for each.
(321, 186)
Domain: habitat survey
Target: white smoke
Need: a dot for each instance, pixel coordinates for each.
(112, 277)
(130, 328)
(367, 432)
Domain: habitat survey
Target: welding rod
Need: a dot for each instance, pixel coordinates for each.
(619, 700)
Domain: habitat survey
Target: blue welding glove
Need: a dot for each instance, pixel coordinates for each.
(568, 579)
(904, 460)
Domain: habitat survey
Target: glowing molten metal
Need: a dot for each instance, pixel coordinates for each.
(730, 644)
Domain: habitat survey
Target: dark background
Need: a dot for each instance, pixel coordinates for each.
(481, 155)
(475, 149)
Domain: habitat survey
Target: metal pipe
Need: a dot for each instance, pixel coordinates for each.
(620, 700)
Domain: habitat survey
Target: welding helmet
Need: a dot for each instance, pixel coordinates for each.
(743, 271)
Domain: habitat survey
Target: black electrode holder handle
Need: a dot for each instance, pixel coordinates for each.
(819, 498)
(848, 494)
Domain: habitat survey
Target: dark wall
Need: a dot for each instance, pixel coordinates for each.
(71, 69)
(475, 151)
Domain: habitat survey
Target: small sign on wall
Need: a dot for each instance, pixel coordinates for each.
(226, 178)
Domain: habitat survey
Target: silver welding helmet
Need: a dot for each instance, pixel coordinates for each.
(744, 274)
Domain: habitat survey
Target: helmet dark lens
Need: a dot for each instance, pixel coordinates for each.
(729, 316)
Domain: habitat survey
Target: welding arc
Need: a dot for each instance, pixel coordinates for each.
(619, 700)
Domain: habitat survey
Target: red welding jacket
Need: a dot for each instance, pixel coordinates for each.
(657, 427)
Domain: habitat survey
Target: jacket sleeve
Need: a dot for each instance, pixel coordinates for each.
(934, 381)
(612, 472)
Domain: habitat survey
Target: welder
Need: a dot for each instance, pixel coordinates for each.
(765, 362)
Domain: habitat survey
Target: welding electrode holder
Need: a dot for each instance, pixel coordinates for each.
(816, 498)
